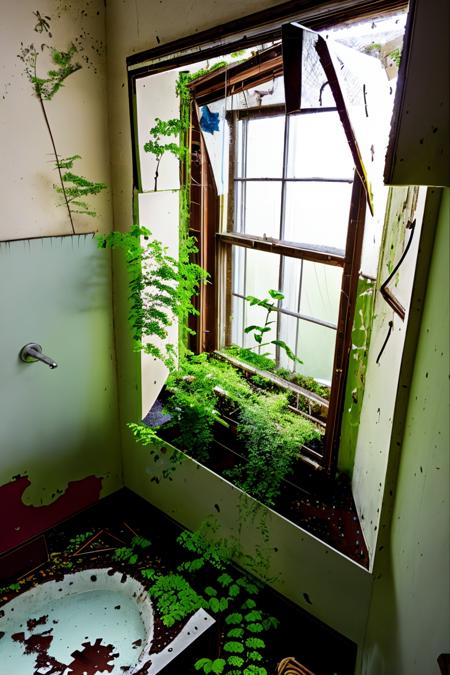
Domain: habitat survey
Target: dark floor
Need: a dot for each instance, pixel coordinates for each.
(113, 523)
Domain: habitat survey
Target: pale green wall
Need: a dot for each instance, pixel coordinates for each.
(57, 425)
(409, 622)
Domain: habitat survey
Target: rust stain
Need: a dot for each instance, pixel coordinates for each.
(92, 659)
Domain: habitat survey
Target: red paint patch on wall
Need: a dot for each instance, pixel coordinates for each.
(21, 522)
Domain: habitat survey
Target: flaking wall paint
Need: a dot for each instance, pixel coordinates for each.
(57, 425)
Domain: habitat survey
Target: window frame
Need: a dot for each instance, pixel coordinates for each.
(349, 261)
(251, 30)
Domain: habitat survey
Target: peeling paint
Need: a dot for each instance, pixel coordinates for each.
(20, 522)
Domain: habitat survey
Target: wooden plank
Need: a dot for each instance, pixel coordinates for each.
(345, 321)
(321, 255)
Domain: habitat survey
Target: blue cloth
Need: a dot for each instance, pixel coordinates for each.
(209, 121)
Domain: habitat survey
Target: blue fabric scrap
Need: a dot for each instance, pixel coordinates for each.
(209, 121)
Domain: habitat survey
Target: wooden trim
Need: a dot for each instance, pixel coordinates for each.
(393, 302)
(277, 109)
(325, 256)
(232, 79)
(239, 33)
(349, 288)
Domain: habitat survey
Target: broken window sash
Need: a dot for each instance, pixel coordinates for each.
(354, 80)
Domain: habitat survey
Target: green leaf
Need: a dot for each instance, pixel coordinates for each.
(233, 646)
(234, 618)
(223, 604)
(218, 665)
(276, 295)
(260, 303)
(236, 661)
(235, 633)
(287, 349)
(214, 605)
(254, 615)
(201, 664)
(255, 643)
(234, 590)
(224, 579)
(254, 656)
(209, 590)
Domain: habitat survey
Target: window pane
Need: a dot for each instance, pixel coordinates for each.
(315, 347)
(254, 273)
(262, 273)
(265, 141)
(318, 147)
(237, 321)
(291, 283)
(238, 267)
(316, 91)
(261, 212)
(321, 291)
(317, 213)
(288, 333)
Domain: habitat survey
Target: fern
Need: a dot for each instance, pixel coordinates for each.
(161, 289)
(73, 188)
(175, 598)
(156, 147)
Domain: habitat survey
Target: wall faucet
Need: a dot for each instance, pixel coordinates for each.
(33, 352)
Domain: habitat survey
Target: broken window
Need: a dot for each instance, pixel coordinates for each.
(284, 141)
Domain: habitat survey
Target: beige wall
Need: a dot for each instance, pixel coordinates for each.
(77, 114)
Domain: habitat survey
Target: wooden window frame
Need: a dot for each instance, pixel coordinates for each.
(348, 260)
(251, 30)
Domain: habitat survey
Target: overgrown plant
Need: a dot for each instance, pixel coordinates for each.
(272, 436)
(155, 146)
(232, 598)
(72, 187)
(161, 289)
(259, 331)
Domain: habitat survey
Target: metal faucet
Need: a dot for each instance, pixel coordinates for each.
(33, 352)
